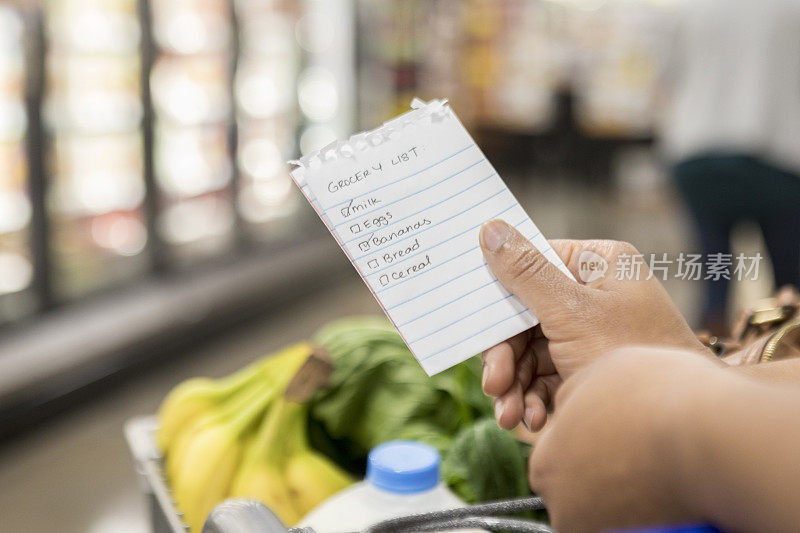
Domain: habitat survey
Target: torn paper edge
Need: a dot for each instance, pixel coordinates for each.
(420, 112)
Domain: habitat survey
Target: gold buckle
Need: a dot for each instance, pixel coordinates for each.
(770, 315)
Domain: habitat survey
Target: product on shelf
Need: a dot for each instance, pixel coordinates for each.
(501, 62)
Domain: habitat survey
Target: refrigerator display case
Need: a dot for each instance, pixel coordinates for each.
(93, 112)
(190, 87)
(267, 116)
(16, 264)
(145, 199)
(168, 125)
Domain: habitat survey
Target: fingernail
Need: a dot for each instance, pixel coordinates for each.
(498, 408)
(495, 234)
(528, 417)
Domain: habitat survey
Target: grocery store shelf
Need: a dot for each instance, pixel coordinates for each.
(79, 345)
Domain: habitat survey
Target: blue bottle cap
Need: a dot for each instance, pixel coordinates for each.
(403, 466)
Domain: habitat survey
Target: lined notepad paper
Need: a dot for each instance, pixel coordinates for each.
(406, 202)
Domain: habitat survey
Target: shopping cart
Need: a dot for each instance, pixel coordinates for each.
(247, 516)
(140, 432)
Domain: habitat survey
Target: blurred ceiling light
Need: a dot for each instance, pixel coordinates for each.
(316, 89)
(95, 30)
(103, 191)
(122, 234)
(11, 29)
(13, 119)
(254, 210)
(589, 5)
(316, 137)
(264, 88)
(260, 158)
(16, 272)
(188, 95)
(103, 111)
(272, 192)
(196, 219)
(15, 211)
(190, 163)
(270, 36)
(314, 31)
(186, 31)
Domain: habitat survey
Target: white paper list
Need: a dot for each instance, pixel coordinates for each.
(406, 203)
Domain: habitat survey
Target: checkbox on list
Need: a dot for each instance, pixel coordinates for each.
(363, 246)
(355, 228)
(384, 280)
(372, 263)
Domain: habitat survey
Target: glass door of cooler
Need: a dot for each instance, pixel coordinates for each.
(190, 88)
(93, 111)
(294, 91)
(267, 115)
(16, 265)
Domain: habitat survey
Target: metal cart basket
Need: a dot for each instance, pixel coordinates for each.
(247, 516)
(140, 434)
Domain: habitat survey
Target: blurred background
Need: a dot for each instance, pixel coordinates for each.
(149, 230)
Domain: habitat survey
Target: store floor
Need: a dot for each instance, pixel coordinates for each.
(74, 473)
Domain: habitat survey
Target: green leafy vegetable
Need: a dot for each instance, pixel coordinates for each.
(485, 463)
(378, 392)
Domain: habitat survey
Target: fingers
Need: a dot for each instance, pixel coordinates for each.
(538, 399)
(532, 387)
(535, 409)
(499, 364)
(524, 271)
(508, 408)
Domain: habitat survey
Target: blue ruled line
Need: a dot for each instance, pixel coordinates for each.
(431, 227)
(406, 177)
(521, 222)
(463, 295)
(454, 322)
(425, 271)
(473, 335)
(360, 215)
(441, 264)
(454, 300)
(438, 286)
(423, 209)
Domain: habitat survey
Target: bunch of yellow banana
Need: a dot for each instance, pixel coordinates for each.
(239, 437)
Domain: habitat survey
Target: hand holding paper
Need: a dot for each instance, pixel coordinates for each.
(406, 202)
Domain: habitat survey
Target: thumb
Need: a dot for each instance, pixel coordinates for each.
(525, 271)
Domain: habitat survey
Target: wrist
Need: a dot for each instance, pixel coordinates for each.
(688, 438)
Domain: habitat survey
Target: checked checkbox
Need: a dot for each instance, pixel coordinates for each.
(363, 246)
(384, 280)
(372, 263)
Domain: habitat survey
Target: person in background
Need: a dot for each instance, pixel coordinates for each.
(731, 129)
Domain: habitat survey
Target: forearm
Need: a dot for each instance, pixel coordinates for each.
(738, 453)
